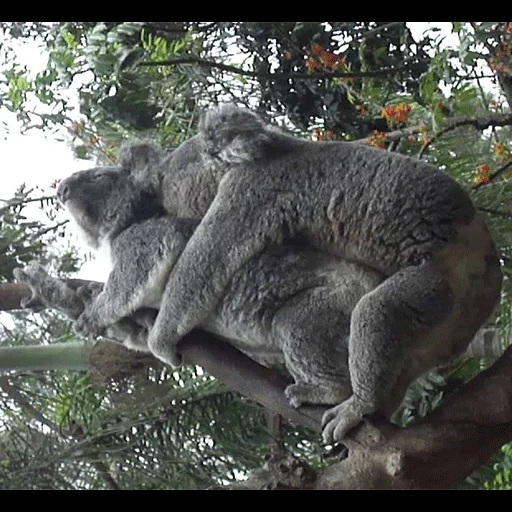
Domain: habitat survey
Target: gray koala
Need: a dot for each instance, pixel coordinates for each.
(253, 187)
(290, 304)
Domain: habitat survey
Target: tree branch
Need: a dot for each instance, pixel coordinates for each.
(275, 76)
(438, 452)
(479, 123)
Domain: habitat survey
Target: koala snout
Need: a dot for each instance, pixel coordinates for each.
(63, 192)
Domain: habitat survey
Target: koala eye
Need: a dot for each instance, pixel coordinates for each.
(98, 175)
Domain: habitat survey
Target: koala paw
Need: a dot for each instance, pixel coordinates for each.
(166, 350)
(86, 325)
(89, 292)
(340, 419)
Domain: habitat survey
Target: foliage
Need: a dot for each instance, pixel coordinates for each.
(105, 81)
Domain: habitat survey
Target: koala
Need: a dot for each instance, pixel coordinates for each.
(288, 305)
(253, 187)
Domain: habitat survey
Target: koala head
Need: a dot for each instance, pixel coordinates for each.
(234, 135)
(105, 200)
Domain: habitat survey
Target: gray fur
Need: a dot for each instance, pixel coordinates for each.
(54, 293)
(282, 304)
(254, 187)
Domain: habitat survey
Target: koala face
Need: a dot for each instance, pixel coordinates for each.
(103, 201)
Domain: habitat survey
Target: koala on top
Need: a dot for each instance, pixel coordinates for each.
(253, 187)
(290, 304)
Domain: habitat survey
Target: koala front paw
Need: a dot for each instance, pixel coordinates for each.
(340, 419)
(86, 325)
(89, 292)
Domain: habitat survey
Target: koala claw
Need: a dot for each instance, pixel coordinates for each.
(168, 356)
(340, 419)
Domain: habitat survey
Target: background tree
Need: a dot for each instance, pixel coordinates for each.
(128, 422)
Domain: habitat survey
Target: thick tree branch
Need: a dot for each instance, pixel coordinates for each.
(438, 452)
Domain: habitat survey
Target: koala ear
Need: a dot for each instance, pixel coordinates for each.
(234, 134)
(141, 158)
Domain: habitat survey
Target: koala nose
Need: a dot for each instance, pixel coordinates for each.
(63, 192)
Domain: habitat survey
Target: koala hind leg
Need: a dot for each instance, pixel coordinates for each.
(389, 322)
(314, 336)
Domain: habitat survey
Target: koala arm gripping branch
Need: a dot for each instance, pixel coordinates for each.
(224, 241)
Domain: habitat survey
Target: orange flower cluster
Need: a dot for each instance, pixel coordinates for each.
(398, 114)
(482, 175)
(500, 62)
(508, 30)
(502, 152)
(377, 140)
(495, 105)
(361, 110)
(323, 135)
(321, 58)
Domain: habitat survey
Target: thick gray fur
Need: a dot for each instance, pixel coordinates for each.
(290, 304)
(253, 187)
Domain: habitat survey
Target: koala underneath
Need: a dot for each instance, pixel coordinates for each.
(50, 292)
(254, 187)
(290, 304)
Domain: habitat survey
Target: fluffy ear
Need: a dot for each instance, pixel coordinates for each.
(234, 134)
(142, 159)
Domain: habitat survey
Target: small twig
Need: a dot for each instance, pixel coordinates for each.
(11, 202)
(479, 123)
(399, 134)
